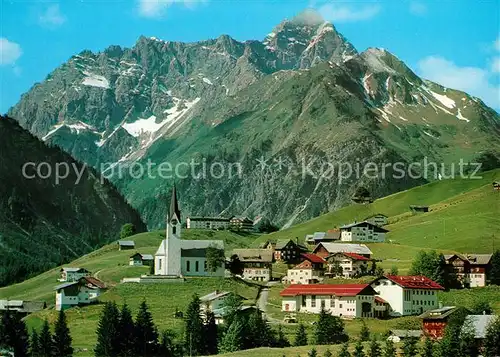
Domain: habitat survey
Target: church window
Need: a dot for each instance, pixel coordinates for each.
(159, 264)
(174, 230)
(196, 266)
(205, 266)
(188, 265)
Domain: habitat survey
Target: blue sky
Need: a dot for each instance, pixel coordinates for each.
(452, 42)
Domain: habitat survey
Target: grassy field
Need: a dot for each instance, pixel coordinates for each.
(465, 216)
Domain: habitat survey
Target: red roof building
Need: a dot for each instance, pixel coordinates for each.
(352, 300)
(310, 271)
(407, 295)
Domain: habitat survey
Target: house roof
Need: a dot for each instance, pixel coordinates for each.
(65, 285)
(200, 218)
(22, 305)
(438, 314)
(73, 270)
(254, 255)
(326, 289)
(94, 281)
(355, 256)
(364, 223)
(479, 323)
(242, 219)
(413, 282)
(478, 259)
(219, 313)
(345, 247)
(380, 300)
(195, 252)
(282, 243)
(192, 244)
(214, 295)
(126, 243)
(332, 234)
(313, 258)
(376, 214)
(147, 257)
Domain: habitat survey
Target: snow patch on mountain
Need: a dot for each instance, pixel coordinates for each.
(446, 101)
(461, 117)
(207, 81)
(141, 126)
(95, 80)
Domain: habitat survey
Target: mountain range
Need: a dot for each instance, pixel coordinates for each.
(283, 108)
(44, 223)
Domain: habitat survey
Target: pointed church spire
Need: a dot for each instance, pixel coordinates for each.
(174, 205)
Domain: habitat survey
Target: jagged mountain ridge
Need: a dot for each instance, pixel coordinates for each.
(44, 223)
(221, 98)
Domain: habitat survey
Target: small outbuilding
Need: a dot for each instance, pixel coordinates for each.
(139, 259)
(126, 244)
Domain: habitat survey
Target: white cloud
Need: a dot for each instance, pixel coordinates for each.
(52, 16)
(157, 8)
(497, 44)
(495, 65)
(418, 8)
(473, 80)
(347, 13)
(9, 51)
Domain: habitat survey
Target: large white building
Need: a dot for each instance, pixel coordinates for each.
(347, 300)
(362, 232)
(207, 223)
(407, 295)
(177, 257)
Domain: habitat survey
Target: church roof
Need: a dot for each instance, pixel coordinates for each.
(174, 206)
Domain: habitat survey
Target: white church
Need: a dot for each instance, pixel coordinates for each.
(177, 257)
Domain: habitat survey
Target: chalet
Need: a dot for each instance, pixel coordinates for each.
(471, 269)
(326, 249)
(347, 265)
(22, 307)
(434, 321)
(400, 335)
(378, 219)
(268, 244)
(241, 224)
(257, 263)
(139, 259)
(126, 244)
(407, 295)
(207, 223)
(346, 300)
(310, 271)
(73, 274)
(362, 232)
(84, 291)
(288, 251)
(419, 209)
(215, 300)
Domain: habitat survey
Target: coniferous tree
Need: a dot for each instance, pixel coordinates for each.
(301, 336)
(281, 340)
(410, 346)
(167, 345)
(13, 333)
(34, 344)
(364, 334)
(194, 340)
(375, 350)
(492, 338)
(428, 348)
(146, 334)
(312, 353)
(231, 306)
(258, 331)
(233, 339)
(211, 334)
(328, 353)
(344, 352)
(126, 333)
(495, 268)
(358, 350)
(467, 345)
(389, 349)
(108, 344)
(62, 337)
(329, 329)
(45, 341)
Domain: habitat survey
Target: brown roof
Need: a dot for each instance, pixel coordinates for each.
(94, 281)
(254, 255)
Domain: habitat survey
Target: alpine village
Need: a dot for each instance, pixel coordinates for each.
(267, 263)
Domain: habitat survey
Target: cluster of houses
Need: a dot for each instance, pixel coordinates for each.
(234, 223)
(78, 288)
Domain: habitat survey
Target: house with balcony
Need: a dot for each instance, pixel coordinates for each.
(471, 270)
(407, 295)
(378, 219)
(344, 300)
(73, 274)
(347, 265)
(289, 251)
(257, 263)
(326, 249)
(214, 223)
(243, 224)
(84, 291)
(310, 271)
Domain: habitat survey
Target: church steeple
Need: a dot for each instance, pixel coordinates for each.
(174, 211)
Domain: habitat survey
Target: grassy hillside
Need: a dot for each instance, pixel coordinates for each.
(464, 217)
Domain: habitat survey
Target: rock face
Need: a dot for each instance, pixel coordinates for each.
(302, 95)
(44, 223)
